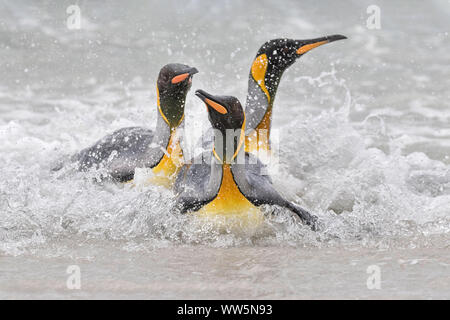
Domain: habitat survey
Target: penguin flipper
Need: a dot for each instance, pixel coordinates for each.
(259, 190)
(306, 217)
(197, 184)
(118, 153)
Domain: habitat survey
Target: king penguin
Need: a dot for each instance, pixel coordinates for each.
(272, 59)
(119, 153)
(228, 179)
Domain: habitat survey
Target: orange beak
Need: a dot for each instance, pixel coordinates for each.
(210, 103)
(219, 108)
(307, 45)
(180, 77)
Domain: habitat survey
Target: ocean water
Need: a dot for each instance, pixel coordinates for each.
(361, 129)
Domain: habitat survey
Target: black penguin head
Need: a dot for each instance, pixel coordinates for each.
(224, 112)
(276, 55)
(174, 82)
(228, 121)
(282, 53)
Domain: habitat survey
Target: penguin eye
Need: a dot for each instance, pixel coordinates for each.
(164, 77)
(286, 50)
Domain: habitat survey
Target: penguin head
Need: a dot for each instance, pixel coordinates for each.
(224, 112)
(282, 53)
(174, 82)
(228, 121)
(276, 55)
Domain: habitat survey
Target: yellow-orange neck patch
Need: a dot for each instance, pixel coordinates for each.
(171, 162)
(258, 71)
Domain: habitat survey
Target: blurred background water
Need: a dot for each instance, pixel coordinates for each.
(363, 141)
